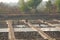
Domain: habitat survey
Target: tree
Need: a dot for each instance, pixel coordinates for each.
(58, 5)
(21, 5)
(31, 4)
(48, 6)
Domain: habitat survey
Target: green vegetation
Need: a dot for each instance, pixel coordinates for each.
(31, 4)
(58, 5)
(49, 6)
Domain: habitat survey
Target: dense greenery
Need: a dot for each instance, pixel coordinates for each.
(58, 4)
(49, 6)
(31, 4)
(24, 8)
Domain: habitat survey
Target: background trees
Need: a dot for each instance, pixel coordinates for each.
(58, 5)
(29, 5)
(51, 7)
(48, 6)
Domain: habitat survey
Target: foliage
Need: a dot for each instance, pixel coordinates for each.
(58, 4)
(23, 8)
(33, 3)
(48, 6)
(29, 5)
